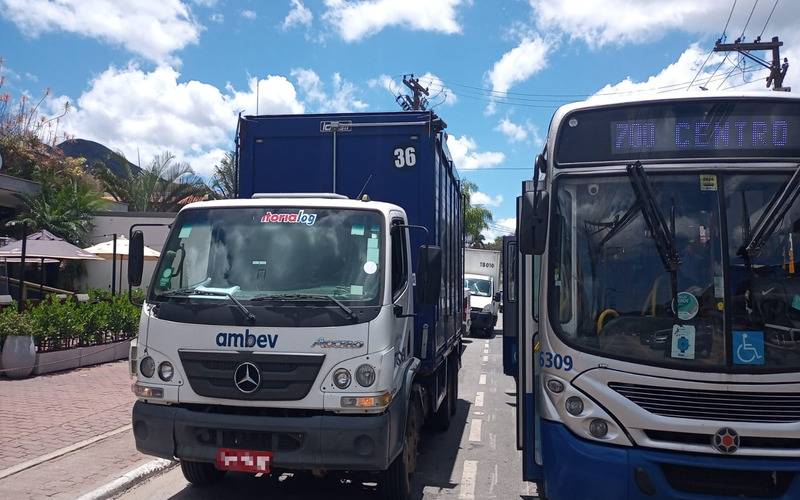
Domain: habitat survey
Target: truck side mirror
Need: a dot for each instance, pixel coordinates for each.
(532, 230)
(429, 274)
(498, 297)
(136, 258)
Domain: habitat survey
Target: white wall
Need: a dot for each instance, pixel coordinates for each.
(98, 273)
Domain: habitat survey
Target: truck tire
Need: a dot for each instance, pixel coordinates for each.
(396, 480)
(201, 473)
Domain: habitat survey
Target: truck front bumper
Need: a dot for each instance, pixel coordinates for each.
(576, 468)
(329, 441)
(482, 320)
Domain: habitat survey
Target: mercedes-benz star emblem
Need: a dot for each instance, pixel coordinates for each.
(726, 440)
(247, 377)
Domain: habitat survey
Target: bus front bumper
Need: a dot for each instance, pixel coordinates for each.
(576, 468)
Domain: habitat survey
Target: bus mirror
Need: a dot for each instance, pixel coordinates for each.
(136, 258)
(532, 233)
(429, 274)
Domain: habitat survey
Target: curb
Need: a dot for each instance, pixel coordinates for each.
(130, 479)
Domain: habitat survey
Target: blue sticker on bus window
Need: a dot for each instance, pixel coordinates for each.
(796, 302)
(748, 347)
(185, 232)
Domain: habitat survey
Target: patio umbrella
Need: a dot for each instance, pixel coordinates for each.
(118, 246)
(42, 246)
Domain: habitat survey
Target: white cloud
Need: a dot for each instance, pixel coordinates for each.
(153, 30)
(517, 65)
(249, 14)
(513, 131)
(341, 99)
(440, 94)
(355, 20)
(516, 132)
(466, 156)
(500, 227)
(145, 113)
(299, 15)
(677, 76)
(602, 22)
(387, 82)
(217, 17)
(205, 3)
(479, 198)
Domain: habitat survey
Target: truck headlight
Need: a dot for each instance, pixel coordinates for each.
(147, 367)
(342, 378)
(166, 371)
(487, 308)
(365, 375)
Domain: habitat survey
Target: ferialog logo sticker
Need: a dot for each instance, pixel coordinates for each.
(300, 217)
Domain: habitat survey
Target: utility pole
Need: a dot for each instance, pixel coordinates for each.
(416, 102)
(777, 70)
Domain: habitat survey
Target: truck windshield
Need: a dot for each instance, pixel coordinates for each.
(478, 286)
(610, 292)
(257, 253)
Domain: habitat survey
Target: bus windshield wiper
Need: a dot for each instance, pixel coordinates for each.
(774, 212)
(306, 296)
(187, 292)
(663, 235)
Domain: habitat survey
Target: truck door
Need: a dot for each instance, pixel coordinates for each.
(510, 305)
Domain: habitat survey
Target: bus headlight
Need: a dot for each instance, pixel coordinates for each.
(342, 378)
(574, 405)
(598, 428)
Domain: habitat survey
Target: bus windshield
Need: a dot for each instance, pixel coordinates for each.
(719, 309)
(287, 252)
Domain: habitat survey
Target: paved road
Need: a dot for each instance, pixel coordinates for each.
(476, 459)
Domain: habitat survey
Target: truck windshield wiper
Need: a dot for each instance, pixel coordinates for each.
(186, 292)
(775, 211)
(306, 296)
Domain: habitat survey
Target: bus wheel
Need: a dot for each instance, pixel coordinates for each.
(201, 473)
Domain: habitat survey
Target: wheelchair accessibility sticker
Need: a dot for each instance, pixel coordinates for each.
(748, 348)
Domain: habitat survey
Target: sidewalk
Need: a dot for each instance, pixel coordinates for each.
(44, 414)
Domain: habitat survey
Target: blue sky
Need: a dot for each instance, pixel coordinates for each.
(145, 76)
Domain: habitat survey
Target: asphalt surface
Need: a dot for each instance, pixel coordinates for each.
(475, 459)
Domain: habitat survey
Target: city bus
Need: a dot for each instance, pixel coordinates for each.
(659, 300)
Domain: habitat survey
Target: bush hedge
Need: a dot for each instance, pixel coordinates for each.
(58, 324)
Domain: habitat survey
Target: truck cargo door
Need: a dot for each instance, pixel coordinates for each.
(509, 263)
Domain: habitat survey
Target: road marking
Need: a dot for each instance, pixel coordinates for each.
(482, 380)
(61, 452)
(479, 399)
(486, 351)
(468, 480)
(485, 359)
(475, 430)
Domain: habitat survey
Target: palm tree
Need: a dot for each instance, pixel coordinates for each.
(476, 218)
(223, 182)
(65, 210)
(164, 186)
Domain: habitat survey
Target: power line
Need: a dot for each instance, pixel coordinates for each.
(708, 56)
(730, 15)
(768, 18)
(741, 37)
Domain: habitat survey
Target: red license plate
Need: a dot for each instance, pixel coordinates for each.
(244, 460)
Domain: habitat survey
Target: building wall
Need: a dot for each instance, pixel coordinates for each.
(98, 273)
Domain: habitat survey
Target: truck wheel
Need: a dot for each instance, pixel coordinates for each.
(201, 473)
(396, 480)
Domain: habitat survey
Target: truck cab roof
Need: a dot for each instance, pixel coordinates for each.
(292, 200)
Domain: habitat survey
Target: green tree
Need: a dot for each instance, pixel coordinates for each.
(223, 181)
(476, 217)
(65, 209)
(164, 186)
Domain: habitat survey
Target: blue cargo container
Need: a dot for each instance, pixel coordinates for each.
(398, 158)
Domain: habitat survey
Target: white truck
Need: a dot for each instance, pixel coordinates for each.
(482, 280)
(310, 333)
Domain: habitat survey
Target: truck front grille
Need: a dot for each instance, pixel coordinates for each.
(691, 438)
(713, 405)
(284, 377)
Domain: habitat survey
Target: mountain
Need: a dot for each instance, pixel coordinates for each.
(94, 151)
